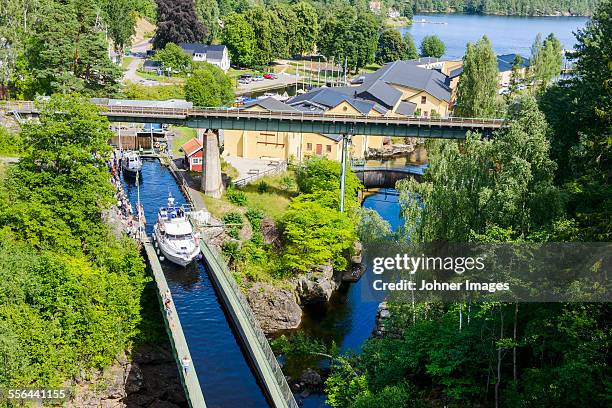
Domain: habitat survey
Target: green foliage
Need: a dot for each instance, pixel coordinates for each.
(321, 175)
(345, 385)
(287, 183)
(349, 35)
(156, 93)
(231, 250)
(209, 86)
(208, 13)
(239, 38)
(371, 227)
(73, 59)
(315, 234)
(391, 47)
(506, 181)
(234, 232)
(580, 112)
(432, 46)
(120, 17)
(236, 197)
(255, 216)
(260, 20)
(70, 293)
(262, 187)
(307, 28)
(297, 345)
(173, 56)
(477, 89)
(546, 60)
(233, 217)
(496, 7)
(10, 143)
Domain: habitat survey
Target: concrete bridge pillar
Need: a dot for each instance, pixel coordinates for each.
(212, 183)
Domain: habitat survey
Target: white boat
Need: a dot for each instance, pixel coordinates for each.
(131, 163)
(174, 236)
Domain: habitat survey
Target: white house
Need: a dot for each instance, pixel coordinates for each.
(213, 54)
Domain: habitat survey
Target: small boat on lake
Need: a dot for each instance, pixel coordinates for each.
(174, 236)
(131, 163)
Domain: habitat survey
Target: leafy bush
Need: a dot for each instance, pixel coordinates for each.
(233, 217)
(263, 187)
(10, 143)
(231, 250)
(321, 175)
(255, 215)
(236, 197)
(287, 183)
(257, 239)
(234, 232)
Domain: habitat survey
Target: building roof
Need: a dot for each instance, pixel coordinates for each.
(191, 147)
(380, 91)
(322, 99)
(213, 52)
(271, 104)
(505, 62)
(406, 73)
(406, 108)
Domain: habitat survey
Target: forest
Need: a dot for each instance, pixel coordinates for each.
(511, 8)
(546, 178)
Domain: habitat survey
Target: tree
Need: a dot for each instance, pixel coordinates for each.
(208, 13)
(349, 35)
(516, 76)
(505, 182)
(411, 51)
(307, 28)
(432, 46)
(173, 56)
(120, 18)
(546, 60)
(477, 89)
(178, 22)
(239, 38)
(209, 86)
(260, 20)
(75, 58)
(284, 24)
(390, 46)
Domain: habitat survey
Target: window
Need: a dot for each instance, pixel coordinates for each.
(308, 146)
(328, 148)
(196, 160)
(423, 100)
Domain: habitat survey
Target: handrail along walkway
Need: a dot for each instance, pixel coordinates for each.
(189, 380)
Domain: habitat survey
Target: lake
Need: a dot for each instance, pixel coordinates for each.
(508, 34)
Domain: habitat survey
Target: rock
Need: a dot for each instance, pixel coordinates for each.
(396, 149)
(311, 378)
(270, 232)
(353, 273)
(317, 286)
(133, 382)
(275, 308)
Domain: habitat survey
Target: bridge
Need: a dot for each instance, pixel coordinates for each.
(385, 176)
(296, 122)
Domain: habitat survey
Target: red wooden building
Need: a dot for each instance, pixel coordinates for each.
(193, 155)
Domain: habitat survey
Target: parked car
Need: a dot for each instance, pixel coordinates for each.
(258, 78)
(270, 76)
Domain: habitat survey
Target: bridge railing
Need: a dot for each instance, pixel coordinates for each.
(220, 265)
(237, 113)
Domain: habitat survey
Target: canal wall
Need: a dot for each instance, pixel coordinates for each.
(253, 338)
(191, 384)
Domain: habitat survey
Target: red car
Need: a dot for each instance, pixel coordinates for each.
(270, 76)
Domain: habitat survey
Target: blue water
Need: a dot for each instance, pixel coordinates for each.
(224, 374)
(508, 34)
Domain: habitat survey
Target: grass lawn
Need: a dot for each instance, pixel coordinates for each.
(183, 135)
(273, 203)
(125, 62)
(162, 79)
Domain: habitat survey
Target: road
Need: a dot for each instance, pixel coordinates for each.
(255, 86)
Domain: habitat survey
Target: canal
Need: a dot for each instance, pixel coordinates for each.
(223, 371)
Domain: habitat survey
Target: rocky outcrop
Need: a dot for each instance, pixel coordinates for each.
(318, 285)
(275, 308)
(395, 149)
(148, 379)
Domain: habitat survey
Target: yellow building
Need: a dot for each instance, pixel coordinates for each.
(401, 88)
